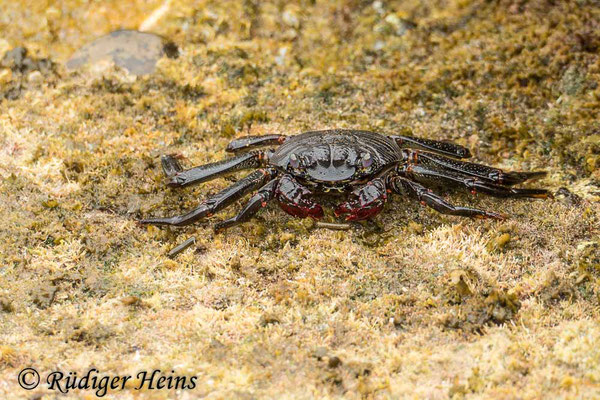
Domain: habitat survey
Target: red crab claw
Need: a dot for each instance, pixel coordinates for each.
(366, 202)
(302, 211)
(297, 200)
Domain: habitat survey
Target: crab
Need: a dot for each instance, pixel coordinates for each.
(365, 167)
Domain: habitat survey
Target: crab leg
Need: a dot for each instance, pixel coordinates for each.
(218, 201)
(404, 186)
(246, 142)
(255, 204)
(207, 172)
(474, 185)
(483, 172)
(445, 148)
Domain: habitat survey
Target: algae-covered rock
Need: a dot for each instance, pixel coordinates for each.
(411, 304)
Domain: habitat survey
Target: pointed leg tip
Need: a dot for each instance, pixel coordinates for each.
(145, 222)
(547, 195)
(513, 178)
(541, 194)
(466, 153)
(170, 165)
(492, 215)
(536, 174)
(220, 227)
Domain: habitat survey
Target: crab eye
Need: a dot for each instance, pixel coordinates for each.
(366, 160)
(294, 161)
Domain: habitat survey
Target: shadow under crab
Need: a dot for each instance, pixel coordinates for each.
(364, 166)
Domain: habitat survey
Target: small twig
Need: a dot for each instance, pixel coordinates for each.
(180, 248)
(333, 226)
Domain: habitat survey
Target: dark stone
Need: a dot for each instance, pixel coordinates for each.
(334, 362)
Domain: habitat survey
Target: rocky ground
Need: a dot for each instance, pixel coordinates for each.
(412, 304)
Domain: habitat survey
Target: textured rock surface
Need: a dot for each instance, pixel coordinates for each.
(136, 52)
(412, 303)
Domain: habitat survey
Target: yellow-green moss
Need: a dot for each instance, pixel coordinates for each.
(412, 304)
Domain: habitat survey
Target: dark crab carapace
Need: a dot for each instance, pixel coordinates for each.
(365, 166)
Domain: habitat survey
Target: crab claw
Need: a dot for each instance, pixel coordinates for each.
(296, 200)
(365, 202)
(302, 211)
